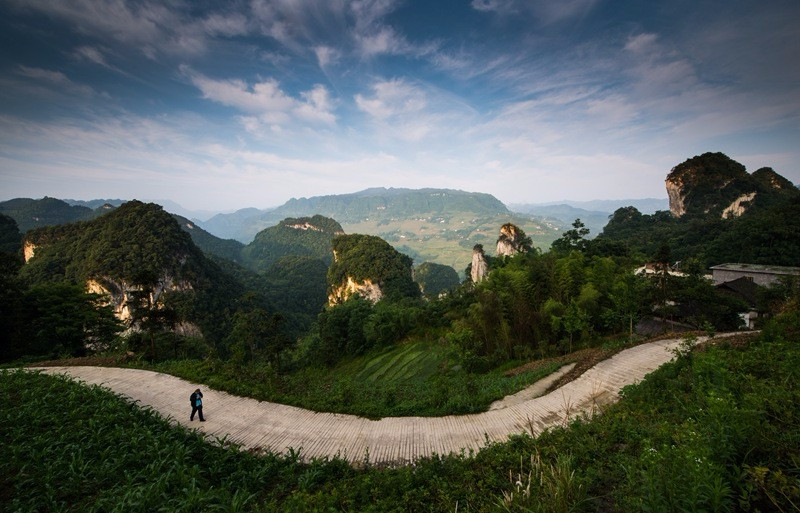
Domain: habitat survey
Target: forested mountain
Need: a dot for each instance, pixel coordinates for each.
(32, 213)
(719, 213)
(140, 257)
(225, 248)
(10, 238)
(563, 215)
(369, 266)
(370, 204)
(435, 225)
(304, 236)
(434, 279)
(713, 184)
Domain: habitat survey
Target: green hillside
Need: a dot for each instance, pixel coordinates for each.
(435, 278)
(304, 236)
(434, 225)
(225, 248)
(766, 232)
(33, 213)
(370, 204)
(136, 244)
(366, 257)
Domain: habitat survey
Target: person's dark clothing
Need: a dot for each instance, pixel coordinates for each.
(196, 400)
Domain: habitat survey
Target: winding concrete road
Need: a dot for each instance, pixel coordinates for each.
(259, 425)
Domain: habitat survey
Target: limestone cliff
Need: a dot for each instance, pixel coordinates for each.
(120, 293)
(713, 184)
(512, 240)
(368, 266)
(366, 289)
(28, 249)
(136, 252)
(480, 266)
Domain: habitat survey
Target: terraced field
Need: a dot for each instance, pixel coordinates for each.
(413, 361)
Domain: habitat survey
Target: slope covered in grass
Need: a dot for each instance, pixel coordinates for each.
(411, 379)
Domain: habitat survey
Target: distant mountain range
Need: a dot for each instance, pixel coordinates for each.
(645, 205)
(368, 205)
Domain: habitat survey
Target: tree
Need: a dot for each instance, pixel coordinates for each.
(66, 320)
(575, 320)
(626, 295)
(573, 239)
(256, 335)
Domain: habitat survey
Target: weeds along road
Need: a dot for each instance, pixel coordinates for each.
(260, 425)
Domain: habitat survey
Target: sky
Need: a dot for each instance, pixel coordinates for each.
(225, 105)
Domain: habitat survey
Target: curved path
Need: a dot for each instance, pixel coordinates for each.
(259, 425)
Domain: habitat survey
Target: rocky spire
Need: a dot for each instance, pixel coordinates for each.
(480, 267)
(512, 240)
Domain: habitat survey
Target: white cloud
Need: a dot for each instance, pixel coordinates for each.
(266, 99)
(326, 56)
(391, 98)
(229, 25)
(641, 43)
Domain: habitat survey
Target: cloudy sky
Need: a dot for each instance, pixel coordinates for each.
(248, 103)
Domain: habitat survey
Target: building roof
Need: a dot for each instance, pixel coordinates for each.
(757, 268)
(742, 287)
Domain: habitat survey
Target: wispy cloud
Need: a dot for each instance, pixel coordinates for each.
(55, 81)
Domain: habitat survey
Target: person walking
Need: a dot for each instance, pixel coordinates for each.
(196, 399)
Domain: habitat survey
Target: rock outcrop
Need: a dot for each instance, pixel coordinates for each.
(738, 206)
(480, 266)
(512, 240)
(366, 289)
(714, 184)
(28, 250)
(120, 293)
(368, 266)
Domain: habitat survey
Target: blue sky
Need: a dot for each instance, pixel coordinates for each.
(223, 105)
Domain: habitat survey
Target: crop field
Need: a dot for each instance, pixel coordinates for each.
(414, 360)
(449, 240)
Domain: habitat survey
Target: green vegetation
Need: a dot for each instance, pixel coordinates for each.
(766, 235)
(433, 279)
(411, 379)
(10, 238)
(365, 257)
(210, 245)
(31, 213)
(709, 183)
(714, 431)
(306, 236)
(184, 303)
